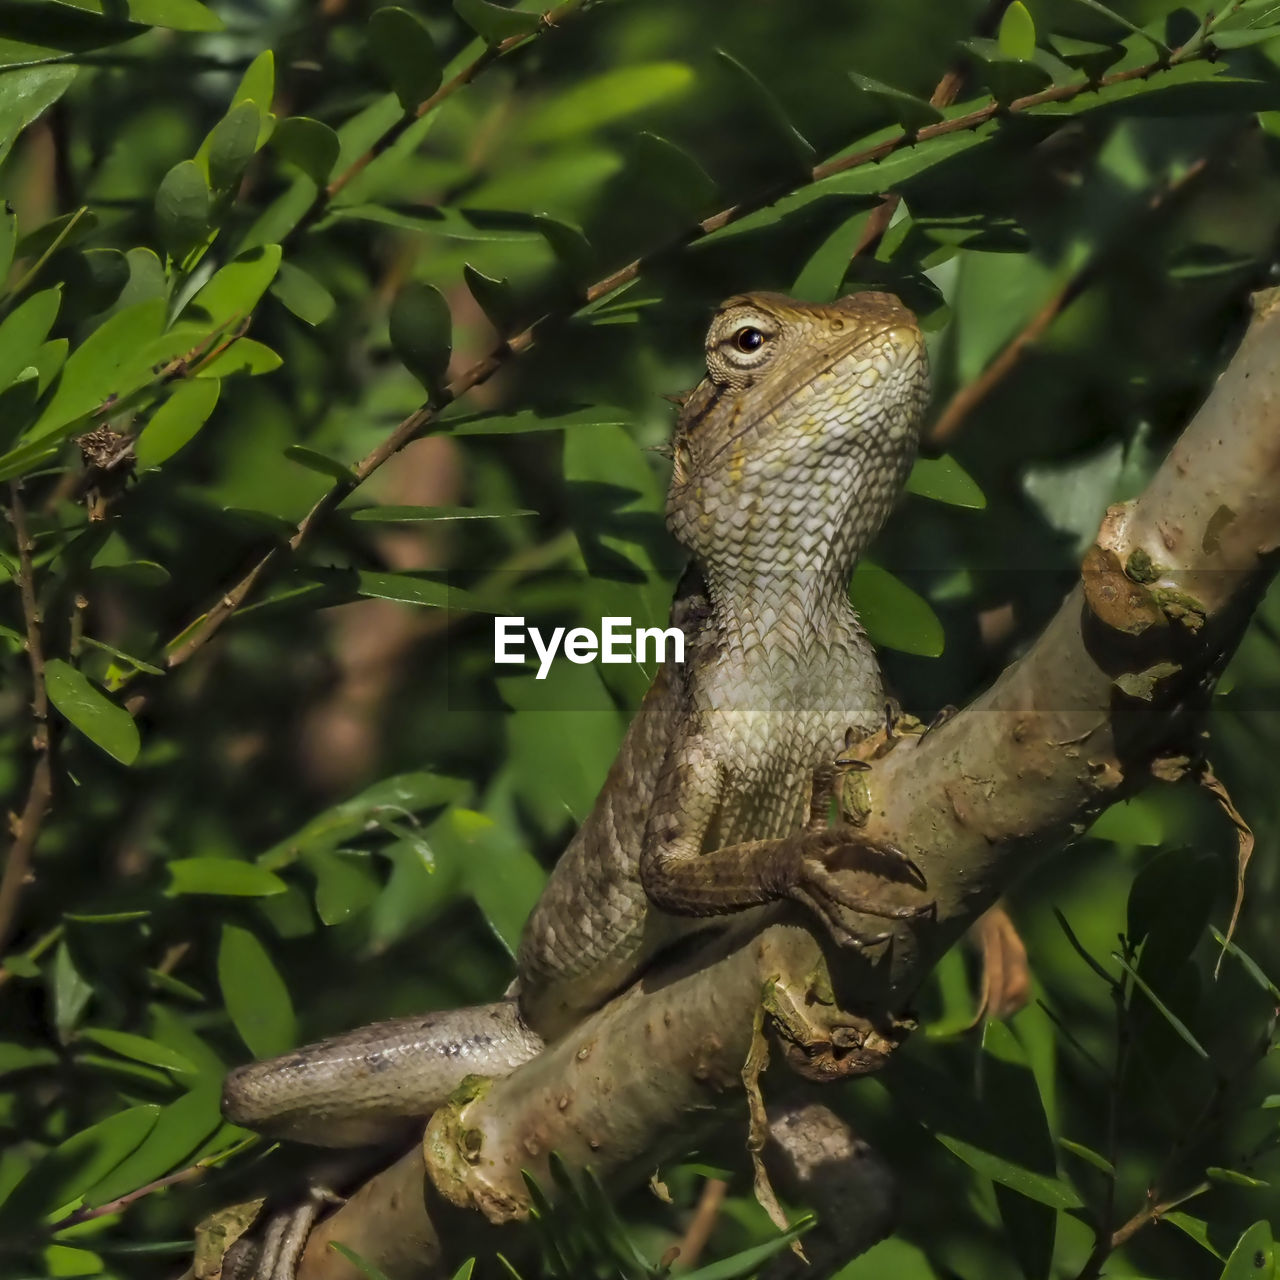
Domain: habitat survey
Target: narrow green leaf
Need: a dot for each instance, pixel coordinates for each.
(231, 145)
(494, 24)
(91, 711)
(1234, 1178)
(24, 330)
(912, 113)
(1054, 1192)
(74, 1166)
(176, 422)
(307, 144)
(1163, 1009)
(223, 877)
(254, 994)
(493, 296)
(1078, 947)
(316, 461)
(303, 294)
(1121, 21)
(945, 480)
(25, 459)
(179, 1130)
(406, 54)
(1243, 37)
(894, 615)
(464, 1271)
(183, 203)
(139, 1048)
(366, 1269)
(405, 587)
(793, 145)
(345, 885)
(1089, 1155)
(1017, 34)
(177, 15)
(421, 331)
(415, 515)
(243, 356)
(21, 1057)
(1197, 1229)
(25, 95)
(537, 419)
(1254, 1257)
(234, 290)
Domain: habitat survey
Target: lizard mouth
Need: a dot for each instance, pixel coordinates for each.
(907, 348)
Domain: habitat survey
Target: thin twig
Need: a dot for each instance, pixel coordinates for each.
(120, 1203)
(972, 394)
(26, 828)
(944, 94)
(200, 631)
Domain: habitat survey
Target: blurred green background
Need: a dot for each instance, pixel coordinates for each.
(237, 245)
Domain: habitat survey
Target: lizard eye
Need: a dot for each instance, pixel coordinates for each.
(748, 339)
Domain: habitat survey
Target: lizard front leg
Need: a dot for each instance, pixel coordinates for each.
(810, 866)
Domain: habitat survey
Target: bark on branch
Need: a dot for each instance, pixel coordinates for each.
(1112, 695)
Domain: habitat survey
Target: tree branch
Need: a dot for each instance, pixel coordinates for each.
(26, 827)
(1112, 695)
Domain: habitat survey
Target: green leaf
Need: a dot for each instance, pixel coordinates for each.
(912, 113)
(408, 588)
(233, 292)
(112, 361)
(1254, 1257)
(421, 331)
(21, 1057)
(494, 24)
(1133, 821)
(231, 145)
(406, 55)
(177, 15)
(176, 422)
(945, 480)
(1121, 21)
(224, 877)
(571, 247)
(602, 99)
(366, 1269)
(1165, 1012)
(307, 144)
(24, 96)
(1088, 1155)
(303, 294)
(91, 711)
(66, 1260)
(345, 884)
(406, 793)
(243, 356)
(894, 615)
(415, 515)
(1251, 966)
(1017, 34)
(493, 296)
(258, 84)
(672, 175)
(1197, 1229)
(322, 463)
(1243, 37)
(183, 204)
(537, 419)
(255, 996)
(24, 330)
(71, 1168)
(1054, 1192)
(8, 238)
(502, 876)
(1233, 1178)
(179, 1130)
(139, 1048)
(71, 993)
(789, 142)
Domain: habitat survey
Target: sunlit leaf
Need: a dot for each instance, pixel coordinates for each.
(24, 329)
(308, 144)
(945, 480)
(225, 877)
(138, 1048)
(893, 614)
(234, 290)
(1254, 1257)
(24, 96)
(1054, 1192)
(104, 723)
(176, 421)
(493, 23)
(1017, 33)
(303, 294)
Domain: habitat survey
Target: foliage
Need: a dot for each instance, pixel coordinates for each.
(253, 252)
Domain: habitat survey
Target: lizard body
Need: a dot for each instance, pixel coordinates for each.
(788, 457)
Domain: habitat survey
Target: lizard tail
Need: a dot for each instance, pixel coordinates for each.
(368, 1086)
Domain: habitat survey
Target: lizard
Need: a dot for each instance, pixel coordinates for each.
(787, 458)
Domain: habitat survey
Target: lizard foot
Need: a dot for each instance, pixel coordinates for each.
(819, 882)
(275, 1256)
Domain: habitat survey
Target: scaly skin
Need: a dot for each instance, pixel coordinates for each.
(788, 458)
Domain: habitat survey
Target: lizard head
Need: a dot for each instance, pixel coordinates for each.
(799, 438)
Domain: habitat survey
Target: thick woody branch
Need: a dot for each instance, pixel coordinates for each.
(1111, 695)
